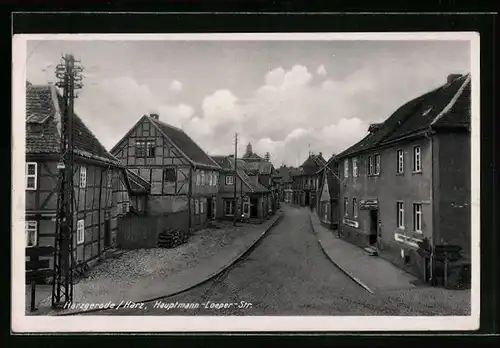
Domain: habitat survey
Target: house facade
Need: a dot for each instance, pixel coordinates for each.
(285, 184)
(306, 181)
(181, 175)
(252, 198)
(408, 182)
(328, 197)
(101, 187)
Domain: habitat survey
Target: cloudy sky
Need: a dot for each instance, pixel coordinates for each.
(285, 97)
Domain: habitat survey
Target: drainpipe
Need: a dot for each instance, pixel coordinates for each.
(433, 218)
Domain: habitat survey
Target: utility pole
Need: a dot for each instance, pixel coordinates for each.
(235, 175)
(68, 73)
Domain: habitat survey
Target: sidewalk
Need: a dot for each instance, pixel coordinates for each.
(164, 284)
(371, 272)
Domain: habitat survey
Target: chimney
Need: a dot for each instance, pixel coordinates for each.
(452, 77)
(155, 116)
(320, 154)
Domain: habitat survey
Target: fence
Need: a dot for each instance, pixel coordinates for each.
(135, 232)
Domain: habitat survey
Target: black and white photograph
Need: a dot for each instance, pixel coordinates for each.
(207, 182)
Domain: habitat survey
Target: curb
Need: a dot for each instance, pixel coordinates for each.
(246, 251)
(350, 275)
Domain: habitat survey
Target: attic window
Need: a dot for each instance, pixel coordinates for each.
(426, 112)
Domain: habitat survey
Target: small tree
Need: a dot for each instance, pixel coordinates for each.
(267, 157)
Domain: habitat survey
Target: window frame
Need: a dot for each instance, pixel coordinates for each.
(202, 173)
(232, 204)
(150, 148)
(354, 207)
(400, 164)
(417, 155)
(83, 177)
(355, 169)
(346, 168)
(417, 217)
(34, 176)
(198, 178)
(400, 215)
(377, 165)
(346, 206)
(196, 206)
(80, 231)
(202, 205)
(28, 229)
(371, 165)
(166, 170)
(231, 181)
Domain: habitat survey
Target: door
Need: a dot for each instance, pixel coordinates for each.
(254, 207)
(107, 233)
(209, 208)
(373, 227)
(307, 199)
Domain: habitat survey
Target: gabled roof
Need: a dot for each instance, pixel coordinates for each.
(185, 144)
(227, 164)
(312, 164)
(444, 107)
(44, 106)
(331, 163)
(252, 157)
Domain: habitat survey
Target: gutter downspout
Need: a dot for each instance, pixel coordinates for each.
(190, 193)
(433, 218)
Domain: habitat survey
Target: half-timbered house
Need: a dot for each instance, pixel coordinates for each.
(182, 176)
(100, 185)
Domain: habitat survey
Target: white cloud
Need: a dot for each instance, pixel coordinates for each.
(175, 86)
(321, 70)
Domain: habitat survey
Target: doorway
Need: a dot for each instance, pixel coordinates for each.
(254, 207)
(373, 227)
(307, 198)
(107, 233)
(209, 208)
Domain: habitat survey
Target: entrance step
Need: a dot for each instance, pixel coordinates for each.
(371, 251)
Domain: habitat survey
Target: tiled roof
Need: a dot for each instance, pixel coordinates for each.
(446, 106)
(42, 122)
(261, 167)
(252, 156)
(187, 145)
(137, 183)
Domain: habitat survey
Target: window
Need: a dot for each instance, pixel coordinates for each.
(140, 148)
(150, 148)
(346, 168)
(417, 163)
(80, 232)
(198, 178)
(377, 164)
(31, 170)
(210, 179)
(83, 177)
(355, 167)
(401, 215)
(400, 168)
(325, 217)
(229, 207)
(229, 180)
(370, 165)
(346, 206)
(355, 207)
(417, 217)
(202, 178)
(169, 175)
(246, 207)
(196, 206)
(31, 231)
(145, 148)
(202, 206)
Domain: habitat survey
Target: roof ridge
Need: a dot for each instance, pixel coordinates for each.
(453, 100)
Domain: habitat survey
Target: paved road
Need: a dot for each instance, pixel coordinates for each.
(288, 274)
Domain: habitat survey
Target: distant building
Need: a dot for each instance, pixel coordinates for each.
(182, 176)
(408, 182)
(305, 181)
(251, 196)
(285, 187)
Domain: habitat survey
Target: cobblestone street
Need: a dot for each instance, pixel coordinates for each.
(288, 274)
